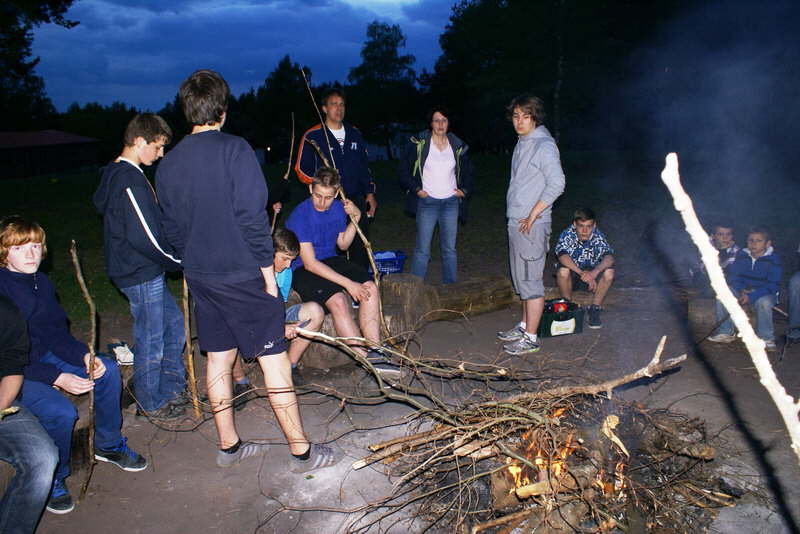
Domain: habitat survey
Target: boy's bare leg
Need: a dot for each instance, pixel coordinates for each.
(238, 369)
(603, 285)
(280, 391)
(220, 394)
(564, 281)
(532, 314)
(368, 314)
(339, 306)
(310, 311)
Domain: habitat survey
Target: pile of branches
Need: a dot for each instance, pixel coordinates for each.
(576, 463)
(565, 459)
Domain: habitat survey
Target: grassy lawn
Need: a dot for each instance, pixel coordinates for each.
(625, 189)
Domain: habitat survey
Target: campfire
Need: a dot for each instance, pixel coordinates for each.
(561, 460)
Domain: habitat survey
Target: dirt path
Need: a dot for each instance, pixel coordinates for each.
(184, 491)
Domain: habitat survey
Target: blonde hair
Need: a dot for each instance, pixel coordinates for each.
(15, 230)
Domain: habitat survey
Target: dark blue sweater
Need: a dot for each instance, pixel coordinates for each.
(213, 194)
(48, 328)
(350, 160)
(762, 275)
(134, 250)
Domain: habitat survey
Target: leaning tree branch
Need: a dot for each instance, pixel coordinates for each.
(787, 406)
(73, 251)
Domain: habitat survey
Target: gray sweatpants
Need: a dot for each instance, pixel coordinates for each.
(526, 257)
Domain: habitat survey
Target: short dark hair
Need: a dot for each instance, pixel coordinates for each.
(327, 177)
(439, 108)
(204, 97)
(583, 215)
(760, 230)
(331, 91)
(148, 126)
(16, 230)
(286, 241)
(723, 224)
(530, 104)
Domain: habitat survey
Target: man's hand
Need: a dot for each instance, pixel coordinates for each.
(73, 383)
(290, 331)
(352, 209)
(744, 299)
(459, 193)
(422, 193)
(358, 291)
(526, 223)
(99, 366)
(270, 285)
(277, 207)
(372, 204)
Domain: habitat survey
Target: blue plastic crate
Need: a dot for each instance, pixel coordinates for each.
(389, 261)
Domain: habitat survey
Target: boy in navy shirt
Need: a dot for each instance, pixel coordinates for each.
(754, 277)
(58, 361)
(136, 260)
(213, 194)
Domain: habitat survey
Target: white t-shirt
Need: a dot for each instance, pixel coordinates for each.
(339, 135)
(439, 172)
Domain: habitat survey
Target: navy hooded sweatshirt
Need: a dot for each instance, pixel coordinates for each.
(134, 249)
(48, 328)
(213, 194)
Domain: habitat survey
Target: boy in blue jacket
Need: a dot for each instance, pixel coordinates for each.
(58, 361)
(136, 259)
(754, 277)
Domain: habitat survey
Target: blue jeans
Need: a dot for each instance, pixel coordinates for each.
(764, 327)
(57, 414)
(794, 301)
(159, 374)
(431, 211)
(26, 446)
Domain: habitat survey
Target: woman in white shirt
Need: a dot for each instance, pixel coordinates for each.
(437, 176)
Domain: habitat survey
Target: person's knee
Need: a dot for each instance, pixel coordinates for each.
(608, 275)
(372, 288)
(313, 312)
(111, 377)
(563, 274)
(765, 303)
(338, 304)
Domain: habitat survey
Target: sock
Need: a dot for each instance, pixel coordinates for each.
(305, 456)
(233, 449)
(522, 324)
(243, 381)
(530, 336)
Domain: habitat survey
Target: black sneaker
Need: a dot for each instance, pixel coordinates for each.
(60, 501)
(319, 457)
(241, 394)
(123, 457)
(297, 378)
(594, 316)
(184, 398)
(167, 412)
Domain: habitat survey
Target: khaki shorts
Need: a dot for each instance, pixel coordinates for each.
(526, 257)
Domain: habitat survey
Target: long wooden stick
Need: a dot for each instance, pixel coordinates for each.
(73, 251)
(188, 351)
(787, 406)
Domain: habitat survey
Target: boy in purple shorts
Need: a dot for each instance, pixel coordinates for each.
(213, 195)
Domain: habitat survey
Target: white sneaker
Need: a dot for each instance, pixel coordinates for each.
(122, 352)
(770, 345)
(514, 334)
(722, 338)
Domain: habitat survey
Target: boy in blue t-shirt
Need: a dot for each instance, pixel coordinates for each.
(320, 275)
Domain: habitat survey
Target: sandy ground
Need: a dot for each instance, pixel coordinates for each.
(183, 491)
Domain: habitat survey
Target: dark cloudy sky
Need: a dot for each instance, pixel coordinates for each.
(138, 52)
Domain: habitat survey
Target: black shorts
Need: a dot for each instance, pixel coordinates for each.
(577, 283)
(314, 288)
(238, 315)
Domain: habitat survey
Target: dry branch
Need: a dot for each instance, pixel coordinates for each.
(188, 352)
(73, 252)
(787, 406)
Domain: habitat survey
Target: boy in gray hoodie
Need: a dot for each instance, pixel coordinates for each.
(537, 180)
